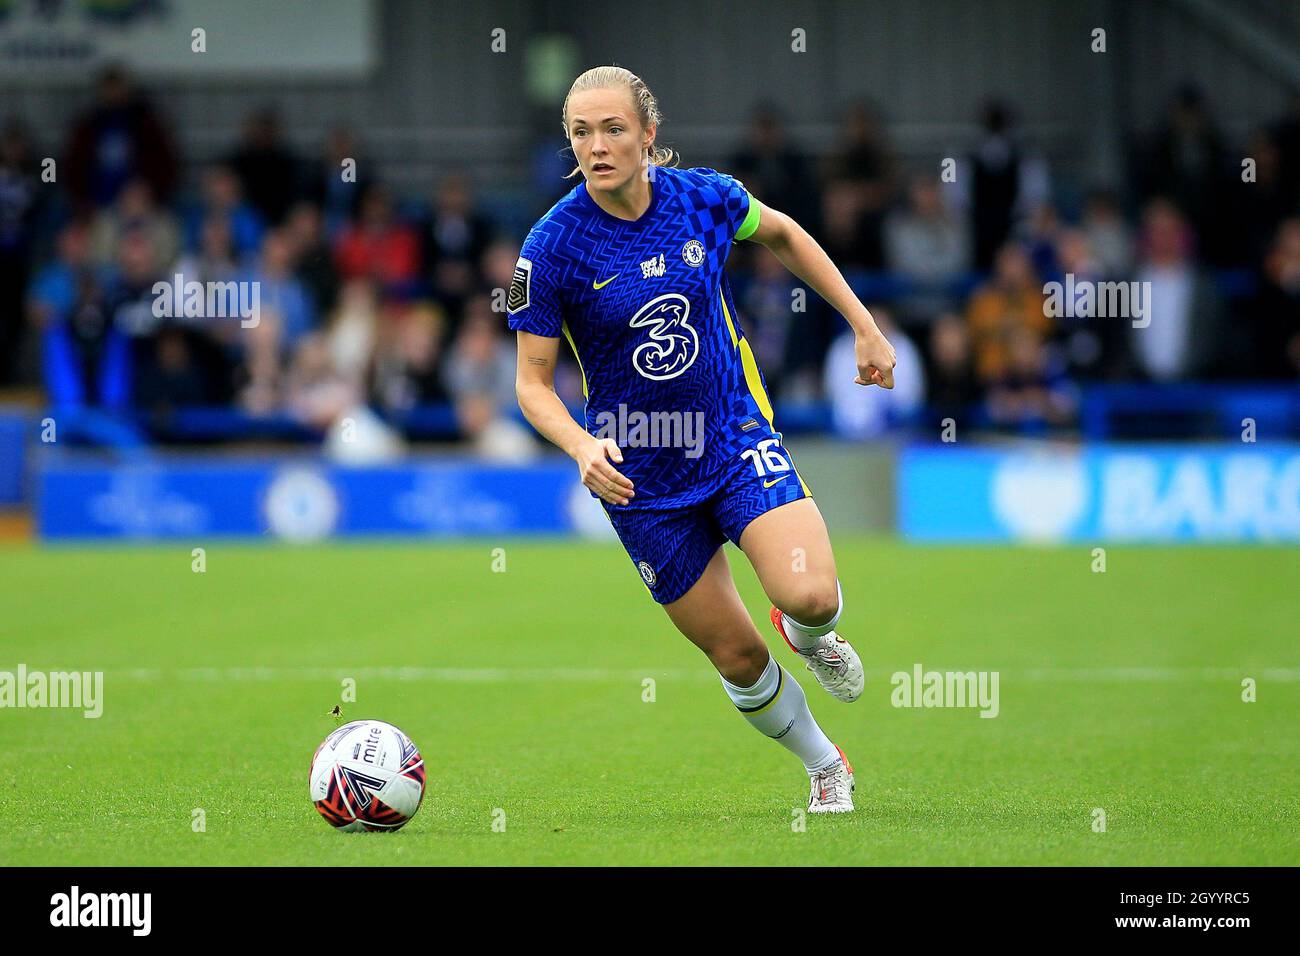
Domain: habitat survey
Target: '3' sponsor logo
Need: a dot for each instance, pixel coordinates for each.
(673, 343)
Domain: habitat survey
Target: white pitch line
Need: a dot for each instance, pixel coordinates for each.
(500, 675)
(1137, 675)
(472, 675)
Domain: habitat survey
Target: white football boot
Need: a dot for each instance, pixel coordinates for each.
(833, 661)
(832, 788)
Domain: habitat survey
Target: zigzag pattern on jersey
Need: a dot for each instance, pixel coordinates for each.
(576, 245)
(734, 437)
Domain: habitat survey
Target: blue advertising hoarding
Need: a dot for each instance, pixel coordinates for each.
(1095, 493)
(308, 499)
(1041, 492)
(15, 424)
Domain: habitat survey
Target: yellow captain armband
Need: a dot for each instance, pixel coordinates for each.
(750, 225)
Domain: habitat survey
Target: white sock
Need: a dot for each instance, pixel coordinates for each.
(777, 708)
(806, 636)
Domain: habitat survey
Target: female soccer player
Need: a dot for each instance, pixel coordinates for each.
(629, 268)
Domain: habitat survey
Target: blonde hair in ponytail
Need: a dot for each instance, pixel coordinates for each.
(643, 101)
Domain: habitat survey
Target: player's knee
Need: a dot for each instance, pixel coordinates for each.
(813, 603)
(740, 661)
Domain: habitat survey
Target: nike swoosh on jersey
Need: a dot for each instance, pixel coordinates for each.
(769, 484)
(601, 285)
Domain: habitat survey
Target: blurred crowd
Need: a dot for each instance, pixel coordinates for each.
(956, 262)
(381, 315)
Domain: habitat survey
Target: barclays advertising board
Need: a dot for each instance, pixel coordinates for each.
(305, 500)
(1146, 493)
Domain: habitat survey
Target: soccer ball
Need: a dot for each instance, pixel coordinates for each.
(367, 775)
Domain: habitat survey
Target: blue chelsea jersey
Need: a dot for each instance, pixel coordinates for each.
(647, 309)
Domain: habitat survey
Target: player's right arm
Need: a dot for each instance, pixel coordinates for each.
(535, 389)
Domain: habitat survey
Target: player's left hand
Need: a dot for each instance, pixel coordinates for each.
(876, 359)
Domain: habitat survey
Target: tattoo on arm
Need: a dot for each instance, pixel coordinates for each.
(535, 360)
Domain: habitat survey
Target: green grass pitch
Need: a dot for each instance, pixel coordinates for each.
(524, 691)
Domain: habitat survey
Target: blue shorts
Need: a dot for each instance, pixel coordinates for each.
(671, 548)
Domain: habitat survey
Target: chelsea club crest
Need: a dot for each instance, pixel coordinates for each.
(693, 253)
